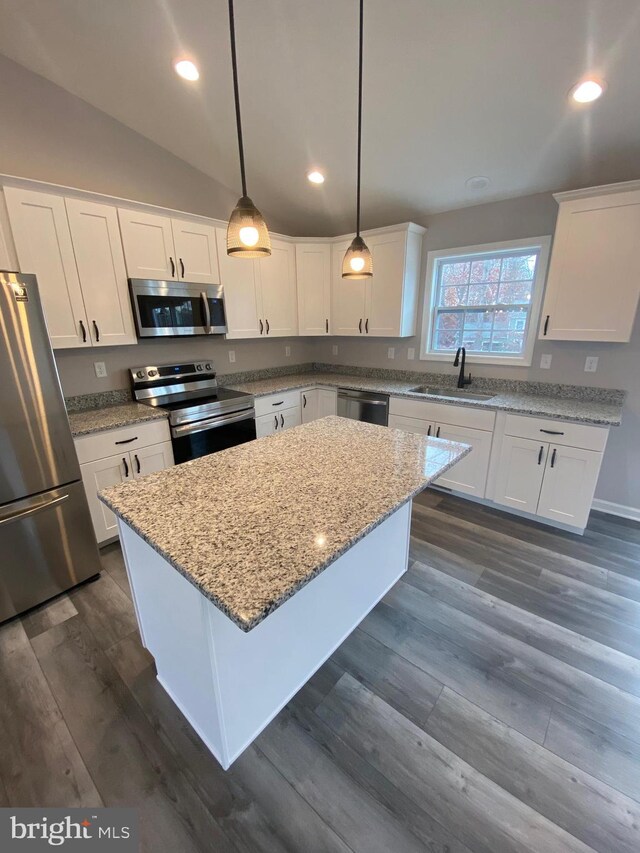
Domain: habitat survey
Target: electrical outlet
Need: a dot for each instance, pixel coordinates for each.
(335, 349)
(232, 356)
(100, 368)
(287, 350)
(591, 364)
(545, 361)
(391, 352)
(411, 353)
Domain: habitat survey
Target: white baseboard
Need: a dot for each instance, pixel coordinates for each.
(616, 509)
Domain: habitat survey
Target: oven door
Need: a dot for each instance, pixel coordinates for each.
(171, 308)
(200, 438)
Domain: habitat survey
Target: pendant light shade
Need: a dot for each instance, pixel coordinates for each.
(247, 232)
(358, 262)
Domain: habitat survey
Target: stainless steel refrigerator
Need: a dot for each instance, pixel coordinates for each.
(46, 537)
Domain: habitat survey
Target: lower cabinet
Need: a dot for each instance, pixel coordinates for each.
(569, 482)
(278, 421)
(309, 404)
(133, 458)
(327, 402)
(520, 469)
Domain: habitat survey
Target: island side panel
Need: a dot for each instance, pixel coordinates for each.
(259, 671)
(174, 625)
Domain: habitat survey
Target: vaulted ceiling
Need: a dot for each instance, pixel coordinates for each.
(452, 89)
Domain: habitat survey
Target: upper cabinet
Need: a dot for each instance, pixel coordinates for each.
(73, 247)
(594, 281)
(384, 305)
(313, 278)
(259, 295)
(166, 248)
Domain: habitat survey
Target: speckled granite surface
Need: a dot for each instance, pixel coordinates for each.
(87, 421)
(251, 525)
(606, 411)
(99, 400)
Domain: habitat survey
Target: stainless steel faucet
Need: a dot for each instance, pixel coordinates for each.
(460, 361)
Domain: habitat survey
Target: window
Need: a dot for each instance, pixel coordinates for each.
(486, 299)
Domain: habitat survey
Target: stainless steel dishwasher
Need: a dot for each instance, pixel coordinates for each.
(363, 406)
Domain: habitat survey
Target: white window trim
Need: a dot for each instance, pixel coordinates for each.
(524, 360)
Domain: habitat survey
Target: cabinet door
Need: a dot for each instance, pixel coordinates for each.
(43, 245)
(148, 245)
(469, 475)
(313, 277)
(519, 474)
(241, 294)
(100, 475)
(569, 482)
(290, 418)
(196, 251)
(347, 297)
(383, 309)
(155, 457)
(309, 405)
(267, 425)
(103, 276)
(327, 402)
(594, 281)
(277, 277)
(412, 425)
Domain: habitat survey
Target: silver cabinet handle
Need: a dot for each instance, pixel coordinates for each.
(24, 513)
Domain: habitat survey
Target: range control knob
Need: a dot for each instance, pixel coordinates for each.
(208, 366)
(140, 374)
(153, 373)
(198, 367)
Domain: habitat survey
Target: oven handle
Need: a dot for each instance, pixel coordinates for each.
(212, 423)
(207, 313)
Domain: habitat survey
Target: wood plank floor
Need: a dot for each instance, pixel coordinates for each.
(491, 702)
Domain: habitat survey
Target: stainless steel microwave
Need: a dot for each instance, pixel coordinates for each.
(171, 308)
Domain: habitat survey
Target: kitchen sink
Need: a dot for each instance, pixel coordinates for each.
(456, 393)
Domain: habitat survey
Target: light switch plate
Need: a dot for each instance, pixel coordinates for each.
(232, 355)
(287, 350)
(411, 353)
(334, 349)
(100, 368)
(591, 364)
(545, 361)
(391, 352)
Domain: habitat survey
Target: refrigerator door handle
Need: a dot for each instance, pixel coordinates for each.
(23, 513)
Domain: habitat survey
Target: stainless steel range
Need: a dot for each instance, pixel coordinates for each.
(203, 418)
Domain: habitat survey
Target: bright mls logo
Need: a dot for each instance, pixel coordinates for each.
(73, 829)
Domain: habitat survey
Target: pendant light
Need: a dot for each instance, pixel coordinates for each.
(358, 262)
(247, 233)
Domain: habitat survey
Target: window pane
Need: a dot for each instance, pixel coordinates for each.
(486, 270)
(447, 340)
(450, 297)
(450, 320)
(508, 342)
(482, 294)
(477, 341)
(520, 268)
(515, 293)
(455, 273)
(473, 319)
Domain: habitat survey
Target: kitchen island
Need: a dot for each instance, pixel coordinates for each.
(249, 567)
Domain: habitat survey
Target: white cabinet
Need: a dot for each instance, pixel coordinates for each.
(570, 478)
(313, 278)
(166, 248)
(259, 295)
(469, 475)
(520, 471)
(103, 278)
(278, 421)
(384, 305)
(594, 279)
(318, 403)
(408, 424)
(327, 402)
(115, 456)
(43, 245)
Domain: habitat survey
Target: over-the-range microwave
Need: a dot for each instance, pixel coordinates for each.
(170, 308)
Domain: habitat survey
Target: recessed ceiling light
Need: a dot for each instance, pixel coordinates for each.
(315, 177)
(479, 182)
(186, 69)
(587, 91)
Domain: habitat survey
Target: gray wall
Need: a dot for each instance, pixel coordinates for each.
(619, 364)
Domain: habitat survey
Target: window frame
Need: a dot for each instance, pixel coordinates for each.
(541, 244)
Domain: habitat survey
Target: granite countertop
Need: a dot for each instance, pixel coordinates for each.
(605, 413)
(88, 421)
(251, 525)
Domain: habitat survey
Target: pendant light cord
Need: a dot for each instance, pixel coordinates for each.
(236, 93)
(359, 120)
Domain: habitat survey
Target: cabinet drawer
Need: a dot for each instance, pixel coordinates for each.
(443, 413)
(557, 432)
(275, 402)
(99, 445)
